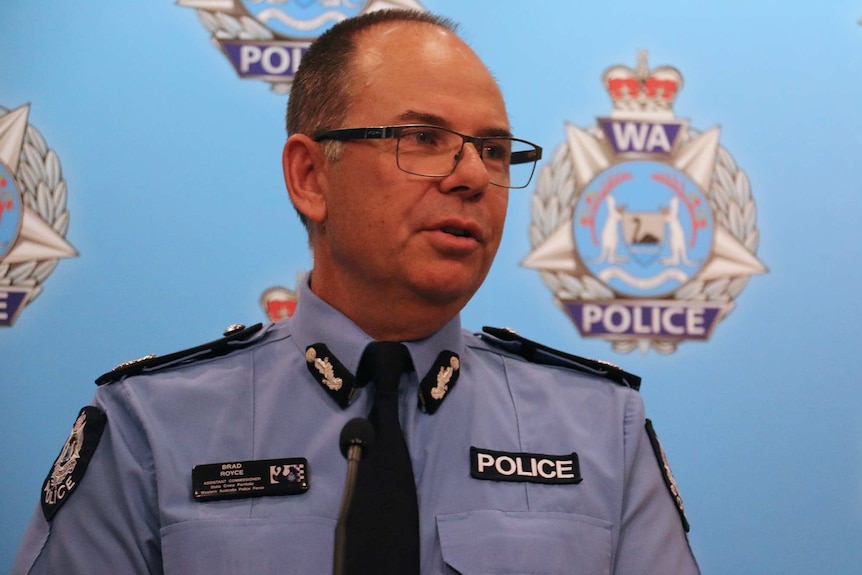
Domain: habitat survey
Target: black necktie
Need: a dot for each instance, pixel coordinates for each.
(383, 525)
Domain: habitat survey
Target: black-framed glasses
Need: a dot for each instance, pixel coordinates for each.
(434, 152)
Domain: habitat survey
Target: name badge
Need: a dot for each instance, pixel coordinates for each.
(240, 479)
(524, 467)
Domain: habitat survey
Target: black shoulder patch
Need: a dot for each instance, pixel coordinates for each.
(667, 474)
(70, 465)
(510, 341)
(236, 337)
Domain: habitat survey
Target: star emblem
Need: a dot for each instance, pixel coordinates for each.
(35, 196)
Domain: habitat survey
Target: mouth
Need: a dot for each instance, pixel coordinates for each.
(457, 232)
(462, 230)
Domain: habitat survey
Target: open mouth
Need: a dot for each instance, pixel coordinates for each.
(458, 232)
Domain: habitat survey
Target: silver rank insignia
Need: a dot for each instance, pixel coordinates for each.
(439, 381)
(335, 379)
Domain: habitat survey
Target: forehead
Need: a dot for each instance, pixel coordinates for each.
(406, 69)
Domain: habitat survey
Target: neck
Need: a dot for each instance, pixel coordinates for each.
(385, 316)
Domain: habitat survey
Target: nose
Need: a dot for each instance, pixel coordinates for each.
(470, 177)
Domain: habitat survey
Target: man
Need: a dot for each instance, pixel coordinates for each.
(525, 466)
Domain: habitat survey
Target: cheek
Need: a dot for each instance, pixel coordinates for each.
(348, 207)
(497, 213)
(364, 194)
(367, 220)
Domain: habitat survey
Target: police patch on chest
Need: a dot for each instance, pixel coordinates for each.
(240, 479)
(524, 467)
(70, 465)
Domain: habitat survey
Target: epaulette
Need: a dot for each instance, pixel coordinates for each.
(510, 341)
(235, 337)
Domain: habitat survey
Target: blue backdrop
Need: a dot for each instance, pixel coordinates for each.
(180, 219)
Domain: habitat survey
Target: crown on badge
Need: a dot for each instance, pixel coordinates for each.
(642, 89)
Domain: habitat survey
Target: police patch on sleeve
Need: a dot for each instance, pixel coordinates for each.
(70, 465)
(667, 474)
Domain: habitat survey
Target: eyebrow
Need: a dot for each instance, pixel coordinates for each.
(416, 117)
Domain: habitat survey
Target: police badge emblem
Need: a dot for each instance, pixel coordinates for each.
(265, 39)
(643, 227)
(33, 215)
(278, 303)
(70, 465)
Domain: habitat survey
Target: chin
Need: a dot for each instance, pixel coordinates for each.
(446, 288)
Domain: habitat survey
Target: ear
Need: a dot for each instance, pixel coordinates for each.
(302, 161)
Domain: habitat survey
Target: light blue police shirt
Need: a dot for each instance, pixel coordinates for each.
(133, 511)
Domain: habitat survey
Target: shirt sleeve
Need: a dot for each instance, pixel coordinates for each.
(110, 522)
(652, 539)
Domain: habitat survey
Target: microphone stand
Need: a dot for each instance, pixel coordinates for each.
(356, 434)
(353, 455)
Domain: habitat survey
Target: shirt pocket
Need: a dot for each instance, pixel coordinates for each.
(525, 542)
(299, 544)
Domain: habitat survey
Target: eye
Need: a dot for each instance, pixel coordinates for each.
(497, 150)
(421, 137)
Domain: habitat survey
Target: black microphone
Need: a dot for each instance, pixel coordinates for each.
(357, 436)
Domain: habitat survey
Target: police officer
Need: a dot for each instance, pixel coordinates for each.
(225, 458)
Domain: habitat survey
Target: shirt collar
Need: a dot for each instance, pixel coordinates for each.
(315, 321)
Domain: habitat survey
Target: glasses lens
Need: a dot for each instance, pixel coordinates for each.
(428, 151)
(510, 162)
